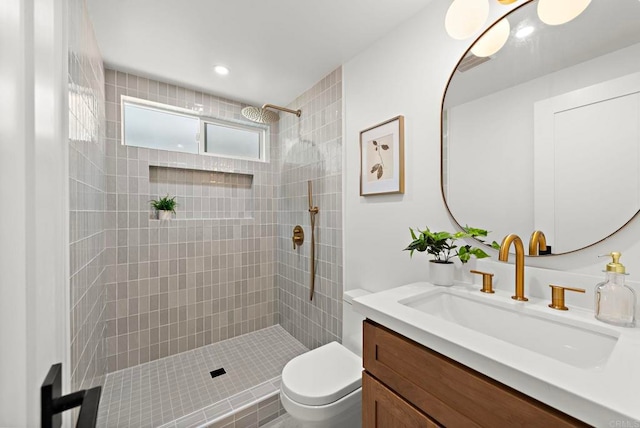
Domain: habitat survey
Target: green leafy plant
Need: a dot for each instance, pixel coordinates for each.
(442, 245)
(165, 204)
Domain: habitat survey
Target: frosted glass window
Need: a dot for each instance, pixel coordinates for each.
(159, 129)
(231, 141)
(163, 127)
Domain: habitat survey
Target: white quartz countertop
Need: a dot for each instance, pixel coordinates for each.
(604, 396)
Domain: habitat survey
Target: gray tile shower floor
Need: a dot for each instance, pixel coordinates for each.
(161, 391)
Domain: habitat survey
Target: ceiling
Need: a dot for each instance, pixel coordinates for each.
(275, 49)
(604, 27)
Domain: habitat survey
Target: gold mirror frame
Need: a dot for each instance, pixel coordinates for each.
(442, 131)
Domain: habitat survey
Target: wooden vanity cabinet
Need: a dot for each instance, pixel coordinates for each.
(387, 409)
(408, 385)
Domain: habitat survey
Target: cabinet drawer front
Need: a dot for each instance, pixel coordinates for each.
(383, 408)
(451, 393)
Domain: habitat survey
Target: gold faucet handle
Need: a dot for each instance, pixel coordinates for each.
(487, 281)
(557, 296)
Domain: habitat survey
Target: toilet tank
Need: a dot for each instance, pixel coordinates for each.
(352, 321)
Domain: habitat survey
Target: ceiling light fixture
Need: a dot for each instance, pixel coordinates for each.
(493, 40)
(557, 12)
(466, 17)
(524, 32)
(221, 70)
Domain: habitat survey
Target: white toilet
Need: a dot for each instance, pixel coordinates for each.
(323, 387)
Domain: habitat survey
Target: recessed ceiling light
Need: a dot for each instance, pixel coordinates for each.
(524, 32)
(221, 70)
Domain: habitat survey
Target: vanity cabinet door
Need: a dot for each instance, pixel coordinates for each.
(383, 408)
(451, 393)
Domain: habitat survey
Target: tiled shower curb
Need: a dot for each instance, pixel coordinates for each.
(260, 403)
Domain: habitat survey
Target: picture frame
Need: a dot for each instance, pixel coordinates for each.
(382, 158)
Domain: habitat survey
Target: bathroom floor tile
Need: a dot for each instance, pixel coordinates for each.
(284, 421)
(164, 390)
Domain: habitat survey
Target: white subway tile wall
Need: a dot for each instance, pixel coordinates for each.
(208, 274)
(87, 198)
(311, 149)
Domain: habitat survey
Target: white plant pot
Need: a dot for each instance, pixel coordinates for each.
(441, 273)
(164, 215)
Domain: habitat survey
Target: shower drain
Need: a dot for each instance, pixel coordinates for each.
(217, 372)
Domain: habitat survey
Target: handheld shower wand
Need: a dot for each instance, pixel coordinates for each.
(312, 266)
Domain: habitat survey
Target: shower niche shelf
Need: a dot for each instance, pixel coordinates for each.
(203, 194)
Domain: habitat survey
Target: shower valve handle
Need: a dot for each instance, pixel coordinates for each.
(298, 236)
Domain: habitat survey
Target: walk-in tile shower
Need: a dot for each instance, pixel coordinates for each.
(144, 290)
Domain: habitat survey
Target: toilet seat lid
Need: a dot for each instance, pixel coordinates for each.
(323, 375)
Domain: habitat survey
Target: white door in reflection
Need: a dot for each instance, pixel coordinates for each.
(587, 166)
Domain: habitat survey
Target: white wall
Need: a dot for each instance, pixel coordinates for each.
(403, 73)
(482, 149)
(33, 232)
(406, 73)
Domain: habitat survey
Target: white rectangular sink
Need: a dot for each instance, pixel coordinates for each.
(546, 334)
(566, 359)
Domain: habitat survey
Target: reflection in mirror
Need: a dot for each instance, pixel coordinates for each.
(545, 134)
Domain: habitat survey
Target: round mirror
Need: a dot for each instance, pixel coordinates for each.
(544, 134)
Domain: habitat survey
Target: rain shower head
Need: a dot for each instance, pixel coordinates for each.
(263, 115)
(260, 115)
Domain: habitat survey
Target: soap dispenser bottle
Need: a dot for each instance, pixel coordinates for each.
(615, 302)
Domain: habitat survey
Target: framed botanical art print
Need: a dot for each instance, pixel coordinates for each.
(382, 158)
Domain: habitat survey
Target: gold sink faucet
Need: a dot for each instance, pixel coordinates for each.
(537, 243)
(503, 256)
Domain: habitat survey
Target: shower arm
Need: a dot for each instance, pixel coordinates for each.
(275, 107)
(312, 266)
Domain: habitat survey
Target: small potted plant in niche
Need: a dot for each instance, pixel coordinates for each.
(164, 206)
(442, 245)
